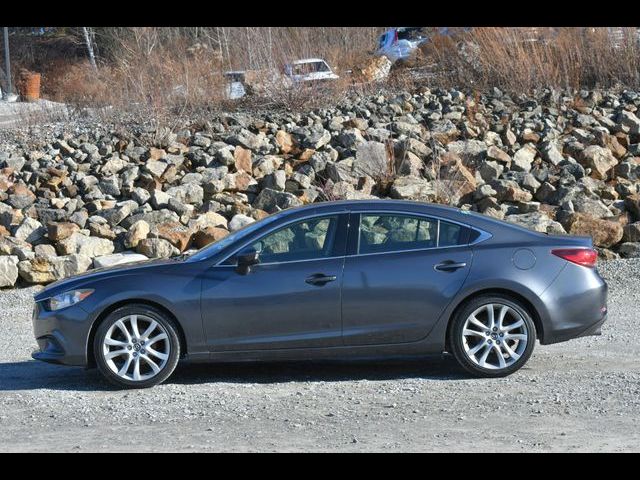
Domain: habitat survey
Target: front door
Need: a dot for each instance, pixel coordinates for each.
(291, 299)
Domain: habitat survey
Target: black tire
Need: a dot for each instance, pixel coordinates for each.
(456, 342)
(147, 311)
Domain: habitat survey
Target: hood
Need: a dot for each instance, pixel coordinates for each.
(81, 279)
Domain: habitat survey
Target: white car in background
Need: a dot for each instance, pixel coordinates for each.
(309, 70)
(235, 84)
(399, 43)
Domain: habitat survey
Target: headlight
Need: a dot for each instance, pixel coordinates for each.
(67, 299)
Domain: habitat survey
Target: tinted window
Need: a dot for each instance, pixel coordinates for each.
(450, 234)
(305, 240)
(388, 233)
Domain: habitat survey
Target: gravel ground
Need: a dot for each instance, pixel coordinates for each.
(583, 395)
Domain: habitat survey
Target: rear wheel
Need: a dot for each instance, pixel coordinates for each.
(136, 346)
(492, 336)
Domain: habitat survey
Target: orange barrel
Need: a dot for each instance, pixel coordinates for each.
(30, 86)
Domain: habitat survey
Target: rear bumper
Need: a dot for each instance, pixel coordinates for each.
(576, 305)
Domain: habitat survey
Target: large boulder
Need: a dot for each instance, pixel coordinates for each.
(137, 232)
(470, 151)
(84, 245)
(157, 248)
(413, 188)
(187, 193)
(50, 269)
(523, 158)
(605, 233)
(117, 259)
(536, 221)
(58, 231)
(30, 230)
(271, 200)
(8, 270)
(208, 235)
(599, 159)
(371, 160)
(175, 233)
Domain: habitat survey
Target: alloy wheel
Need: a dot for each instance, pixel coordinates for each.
(136, 347)
(495, 336)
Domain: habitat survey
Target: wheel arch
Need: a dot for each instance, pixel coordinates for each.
(527, 303)
(91, 361)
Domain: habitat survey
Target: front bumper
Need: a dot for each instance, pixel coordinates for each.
(62, 335)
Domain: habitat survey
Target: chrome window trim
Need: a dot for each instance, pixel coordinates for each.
(481, 238)
(288, 261)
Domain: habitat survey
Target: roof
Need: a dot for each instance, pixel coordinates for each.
(469, 217)
(308, 60)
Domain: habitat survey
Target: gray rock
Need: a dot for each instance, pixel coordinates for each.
(630, 250)
(157, 248)
(8, 270)
(140, 195)
(490, 170)
(247, 139)
(271, 200)
(371, 160)
(631, 232)
(470, 151)
(275, 181)
(49, 269)
(118, 259)
(550, 153)
(85, 245)
(413, 188)
(30, 230)
(629, 120)
(189, 193)
(523, 158)
(238, 221)
(538, 222)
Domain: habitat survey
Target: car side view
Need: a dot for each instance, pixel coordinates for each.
(331, 280)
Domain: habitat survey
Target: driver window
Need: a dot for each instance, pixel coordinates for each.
(389, 233)
(305, 240)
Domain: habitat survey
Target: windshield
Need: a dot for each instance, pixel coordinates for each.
(216, 247)
(310, 67)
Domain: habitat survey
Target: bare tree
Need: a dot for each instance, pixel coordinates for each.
(89, 43)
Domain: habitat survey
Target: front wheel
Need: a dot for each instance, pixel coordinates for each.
(136, 346)
(492, 336)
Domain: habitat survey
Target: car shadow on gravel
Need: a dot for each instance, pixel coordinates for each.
(432, 368)
(34, 375)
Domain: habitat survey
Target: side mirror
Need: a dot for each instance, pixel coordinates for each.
(245, 259)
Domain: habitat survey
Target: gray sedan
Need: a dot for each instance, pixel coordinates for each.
(332, 280)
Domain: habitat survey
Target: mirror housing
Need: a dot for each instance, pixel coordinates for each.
(245, 259)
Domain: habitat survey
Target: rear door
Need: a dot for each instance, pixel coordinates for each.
(402, 272)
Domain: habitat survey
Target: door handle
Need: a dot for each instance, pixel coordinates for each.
(449, 266)
(320, 279)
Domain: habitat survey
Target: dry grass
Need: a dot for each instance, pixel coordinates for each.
(525, 59)
(168, 74)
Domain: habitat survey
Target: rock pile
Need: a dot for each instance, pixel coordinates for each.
(553, 162)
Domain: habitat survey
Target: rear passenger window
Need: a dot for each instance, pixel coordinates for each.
(388, 233)
(450, 234)
(391, 233)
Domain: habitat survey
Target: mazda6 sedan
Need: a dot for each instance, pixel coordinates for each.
(331, 280)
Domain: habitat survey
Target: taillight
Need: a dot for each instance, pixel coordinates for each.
(581, 256)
